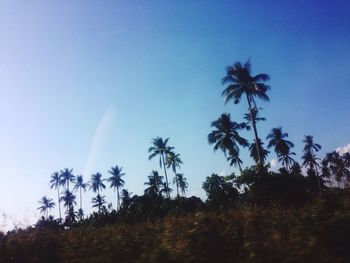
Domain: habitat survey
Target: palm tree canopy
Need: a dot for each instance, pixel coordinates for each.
(79, 184)
(277, 139)
(225, 136)
(160, 148)
(253, 151)
(96, 183)
(241, 82)
(67, 176)
(68, 198)
(310, 146)
(55, 181)
(173, 160)
(155, 183)
(46, 203)
(255, 115)
(98, 201)
(116, 178)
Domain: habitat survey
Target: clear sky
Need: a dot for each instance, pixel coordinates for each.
(88, 84)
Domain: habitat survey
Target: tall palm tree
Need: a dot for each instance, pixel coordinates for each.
(182, 182)
(96, 183)
(277, 139)
(262, 151)
(68, 199)
(241, 82)
(55, 182)
(225, 137)
(98, 201)
(116, 180)
(173, 160)
(161, 149)
(80, 185)
(66, 177)
(46, 205)
(309, 157)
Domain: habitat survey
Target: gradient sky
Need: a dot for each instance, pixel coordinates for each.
(88, 84)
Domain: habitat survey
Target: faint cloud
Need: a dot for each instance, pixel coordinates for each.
(100, 136)
(273, 163)
(344, 149)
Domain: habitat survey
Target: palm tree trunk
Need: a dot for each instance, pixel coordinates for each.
(177, 184)
(80, 200)
(240, 168)
(254, 128)
(118, 202)
(59, 202)
(166, 177)
(318, 181)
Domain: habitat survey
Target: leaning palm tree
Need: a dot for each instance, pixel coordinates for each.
(161, 149)
(225, 137)
(241, 82)
(68, 199)
(116, 180)
(98, 202)
(46, 205)
(66, 177)
(96, 183)
(173, 160)
(277, 139)
(80, 185)
(55, 182)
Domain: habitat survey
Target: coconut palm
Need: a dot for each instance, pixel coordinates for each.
(46, 205)
(225, 137)
(241, 83)
(96, 183)
(182, 183)
(116, 180)
(80, 185)
(277, 139)
(262, 151)
(55, 182)
(173, 160)
(156, 185)
(66, 177)
(68, 199)
(98, 201)
(234, 159)
(161, 149)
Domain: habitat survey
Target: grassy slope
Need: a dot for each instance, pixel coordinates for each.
(318, 232)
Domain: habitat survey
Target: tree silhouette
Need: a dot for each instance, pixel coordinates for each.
(161, 149)
(68, 199)
(46, 205)
(116, 180)
(156, 185)
(225, 137)
(240, 82)
(182, 183)
(281, 146)
(80, 185)
(98, 201)
(66, 177)
(55, 183)
(173, 160)
(262, 152)
(96, 183)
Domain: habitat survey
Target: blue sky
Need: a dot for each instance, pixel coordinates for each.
(88, 84)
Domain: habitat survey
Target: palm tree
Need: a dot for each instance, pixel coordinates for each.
(182, 183)
(68, 199)
(161, 149)
(173, 160)
(234, 159)
(80, 185)
(66, 177)
(225, 136)
(242, 83)
(309, 157)
(262, 151)
(156, 185)
(55, 182)
(96, 183)
(281, 145)
(98, 201)
(116, 180)
(46, 205)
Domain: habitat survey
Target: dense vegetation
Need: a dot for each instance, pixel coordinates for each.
(256, 215)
